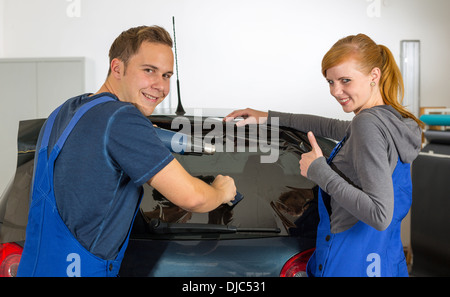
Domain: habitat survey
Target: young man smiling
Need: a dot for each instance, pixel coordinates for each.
(94, 154)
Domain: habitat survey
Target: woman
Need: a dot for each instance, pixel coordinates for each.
(366, 181)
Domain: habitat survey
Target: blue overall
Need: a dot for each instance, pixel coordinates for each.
(50, 248)
(362, 250)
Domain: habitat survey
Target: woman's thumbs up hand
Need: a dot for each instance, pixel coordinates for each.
(308, 158)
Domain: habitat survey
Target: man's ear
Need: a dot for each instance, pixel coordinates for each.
(117, 68)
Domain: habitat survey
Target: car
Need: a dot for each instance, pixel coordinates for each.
(270, 232)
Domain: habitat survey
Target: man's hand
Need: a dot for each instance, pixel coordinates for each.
(225, 185)
(191, 193)
(308, 158)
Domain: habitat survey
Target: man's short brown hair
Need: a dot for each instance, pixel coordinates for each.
(128, 42)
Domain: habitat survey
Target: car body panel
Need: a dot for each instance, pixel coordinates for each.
(253, 257)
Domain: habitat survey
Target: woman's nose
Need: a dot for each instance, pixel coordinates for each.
(336, 90)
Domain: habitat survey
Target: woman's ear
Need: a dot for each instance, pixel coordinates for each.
(376, 74)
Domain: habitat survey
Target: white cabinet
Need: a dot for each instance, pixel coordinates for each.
(32, 88)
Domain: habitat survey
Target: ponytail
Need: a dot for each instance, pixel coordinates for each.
(391, 85)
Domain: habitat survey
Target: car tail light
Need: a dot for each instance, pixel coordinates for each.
(296, 266)
(10, 254)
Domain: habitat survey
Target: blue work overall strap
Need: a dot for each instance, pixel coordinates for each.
(312, 268)
(50, 248)
(362, 250)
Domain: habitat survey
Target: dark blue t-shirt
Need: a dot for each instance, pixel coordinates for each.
(112, 151)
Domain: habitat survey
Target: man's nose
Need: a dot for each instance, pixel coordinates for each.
(158, 84)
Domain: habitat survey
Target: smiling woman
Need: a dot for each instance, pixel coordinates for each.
(353, 89)
(369, 170)
(361, 56)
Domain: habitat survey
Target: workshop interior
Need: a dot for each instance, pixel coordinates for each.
(229, 55)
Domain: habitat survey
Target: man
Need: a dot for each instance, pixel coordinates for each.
(94, 154)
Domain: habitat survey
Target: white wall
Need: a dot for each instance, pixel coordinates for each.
(236, 53)
(1, 27)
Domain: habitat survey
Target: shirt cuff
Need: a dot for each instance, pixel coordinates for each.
(320, 173)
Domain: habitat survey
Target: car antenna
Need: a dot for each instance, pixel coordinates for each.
(180, 110)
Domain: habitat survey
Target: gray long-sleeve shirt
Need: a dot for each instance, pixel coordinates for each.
(360, 184)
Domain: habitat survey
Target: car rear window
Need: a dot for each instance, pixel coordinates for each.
(275, 194)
